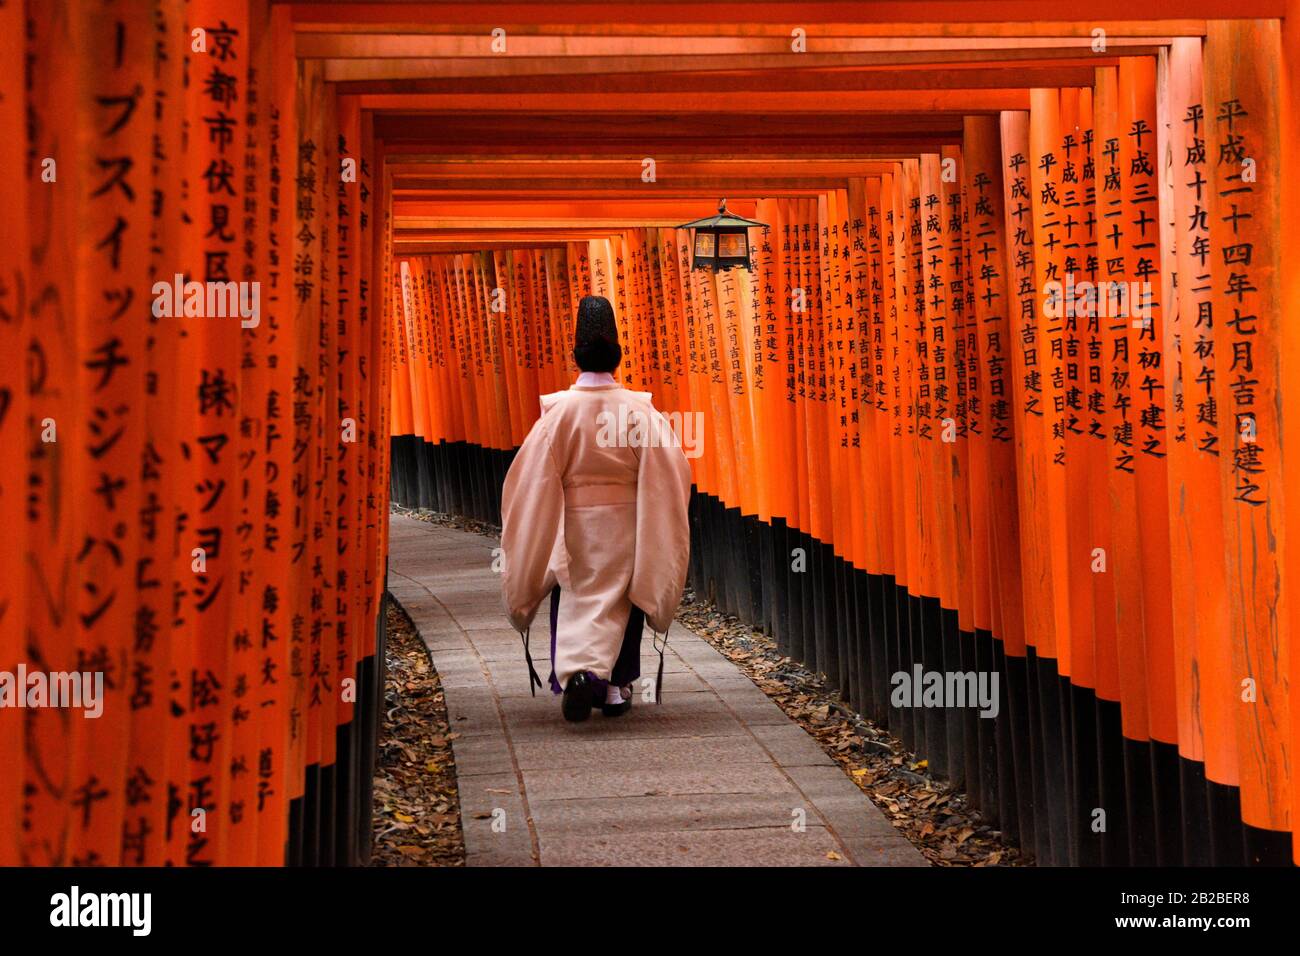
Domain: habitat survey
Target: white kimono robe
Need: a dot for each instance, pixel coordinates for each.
(596, 502)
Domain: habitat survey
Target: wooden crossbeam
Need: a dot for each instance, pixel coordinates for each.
(1004, 29)
(488, 207)
(897, 145)
(415, 153)
(702, 198)
(375, 70)
(627, 220)
(423, 247)
(425, 46)
(394, 16)
(627, 171)
(843, 101)
(954, 76)
(719, 186)
(640, 135)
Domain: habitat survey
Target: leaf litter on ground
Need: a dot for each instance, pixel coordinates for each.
(416, 819)
(937, 818)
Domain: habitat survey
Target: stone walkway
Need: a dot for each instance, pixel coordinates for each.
(715, 775)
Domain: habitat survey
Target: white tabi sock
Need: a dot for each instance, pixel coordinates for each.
(613, 695)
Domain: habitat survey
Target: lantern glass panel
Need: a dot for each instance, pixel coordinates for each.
(704, 245)
(733, 245)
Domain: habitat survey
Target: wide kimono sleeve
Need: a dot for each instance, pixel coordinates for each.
(532, 515)
(663, 535)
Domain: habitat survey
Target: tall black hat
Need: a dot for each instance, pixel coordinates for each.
(595, 340)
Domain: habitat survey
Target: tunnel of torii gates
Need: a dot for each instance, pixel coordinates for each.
(915, 443)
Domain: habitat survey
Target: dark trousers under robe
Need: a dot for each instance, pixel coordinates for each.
(627, 667)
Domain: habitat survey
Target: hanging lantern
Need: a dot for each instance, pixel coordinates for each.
(721, 242)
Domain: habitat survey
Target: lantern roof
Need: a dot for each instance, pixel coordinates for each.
(723, 219)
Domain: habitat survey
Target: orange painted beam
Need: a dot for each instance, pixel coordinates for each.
(977, 75)
(426, 46)
(1005, 29)
(338, 70)
(900, 146)
(403, 198)
(794, 74)
(596, 208)
(421, 153)
(615, 170)
(765, 103)
(381, 15)
(497, 223)
(718, 185)
(477, 240)
(640, 135)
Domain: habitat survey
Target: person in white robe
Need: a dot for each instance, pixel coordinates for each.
(594, 515)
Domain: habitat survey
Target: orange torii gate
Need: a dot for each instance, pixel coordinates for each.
(1063, 420)
(924, 435)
